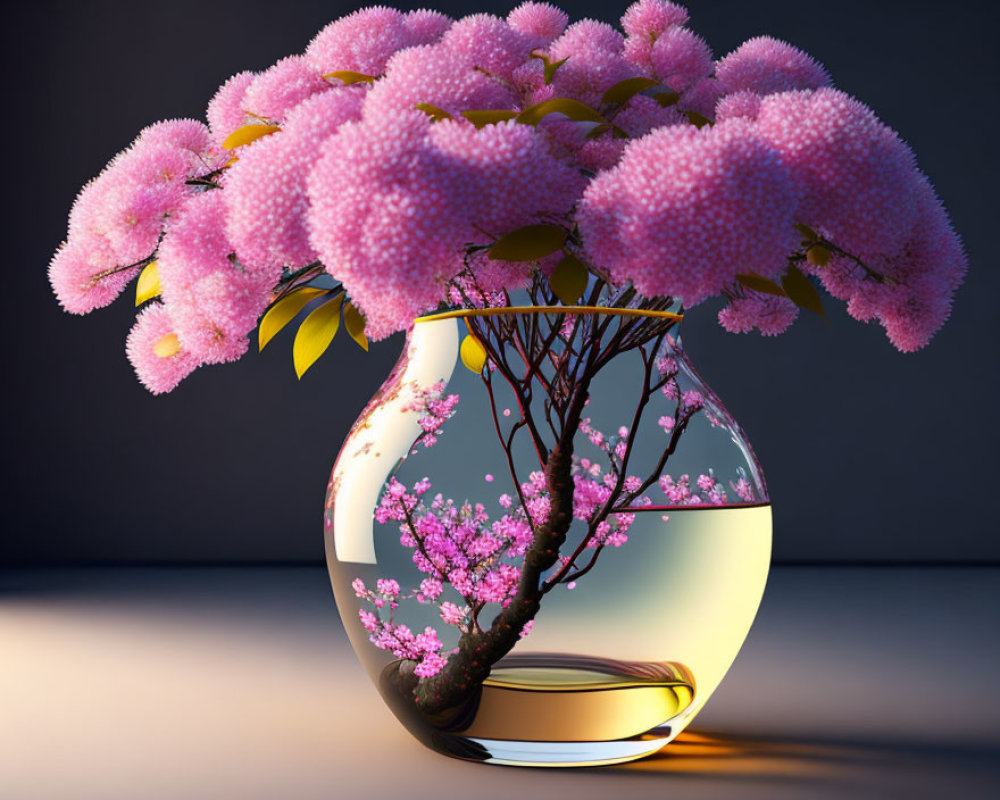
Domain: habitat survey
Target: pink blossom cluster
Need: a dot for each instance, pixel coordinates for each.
(434, 408)
(705, 489)
(356, 156)
(456, 546)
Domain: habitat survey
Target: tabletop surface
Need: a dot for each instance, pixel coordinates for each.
(239, 683)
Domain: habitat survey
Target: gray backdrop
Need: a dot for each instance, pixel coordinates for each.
(870, 455)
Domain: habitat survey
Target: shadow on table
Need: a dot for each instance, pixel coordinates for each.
(720, 755)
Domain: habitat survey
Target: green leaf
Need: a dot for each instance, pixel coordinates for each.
(148, 285)
(247, 134)
(355, 324)
(473, 354)
(315, 334)
(625, 90)
(434, 112)
(818, 255)
(569, 279)
(598, 130)
(696, 119)
(760, 284)
(550, 69)
(529, 243)
(667, 99)
(283, 312)
(483, 118)
(573, 109)
(801, 291)
(347, 77)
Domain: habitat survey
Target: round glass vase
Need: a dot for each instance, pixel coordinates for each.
(546, 536)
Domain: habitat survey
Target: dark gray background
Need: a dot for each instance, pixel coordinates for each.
(870, 455)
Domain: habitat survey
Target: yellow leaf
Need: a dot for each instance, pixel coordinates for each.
(473, 353)
(625, 90)
(801, 291)
(167, 345)
(247, 134)
(573, 109)
(148, 285)
(666, 99)
(698, 120)
(818, 255)
(434, 112)
(315, 334)
(808, 233)
(569, 279)
(347, 77)
(483, 118)
(550, 69)
(355, 324)
(528, 244)
(760, 284)
(283, 312)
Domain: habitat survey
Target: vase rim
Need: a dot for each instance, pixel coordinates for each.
(504, 310)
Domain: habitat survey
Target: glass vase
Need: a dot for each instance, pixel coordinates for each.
(546, 536)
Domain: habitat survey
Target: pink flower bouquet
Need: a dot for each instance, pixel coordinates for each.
(406, 162)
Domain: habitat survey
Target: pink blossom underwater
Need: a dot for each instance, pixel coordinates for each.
(370, 156)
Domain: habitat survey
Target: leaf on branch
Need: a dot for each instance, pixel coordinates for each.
(801, 291)
(760, 284)
(807, 233)
(569, 279)
(347, 77)
(247, 134)
(434, 112)
(315, 334)
(284, 311)
(550, 68)
(355, 324)
(696, 119)
(572, 109)
(473, 354)
(625, 90)
(529, 243)
(667, 99)
(148, 285)
(483, 118)
(818, 255)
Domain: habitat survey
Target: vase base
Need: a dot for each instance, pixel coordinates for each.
(506, 752)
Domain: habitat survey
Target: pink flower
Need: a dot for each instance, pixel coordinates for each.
(765, 66)
(213, 304)
(584, 37)
(767, 313)
(360, 42)
(225, 110)
(452, 614)
(680, 58)
(650, 18)
(437, 75)
(844, 159)
(687, 209)
(79, 275)
(738, 104)
(388, 216)
(489, 44)
(431, 589)
(542, 21)
(156, 356)
(278, 90)
(265, 190)
(425, 27)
